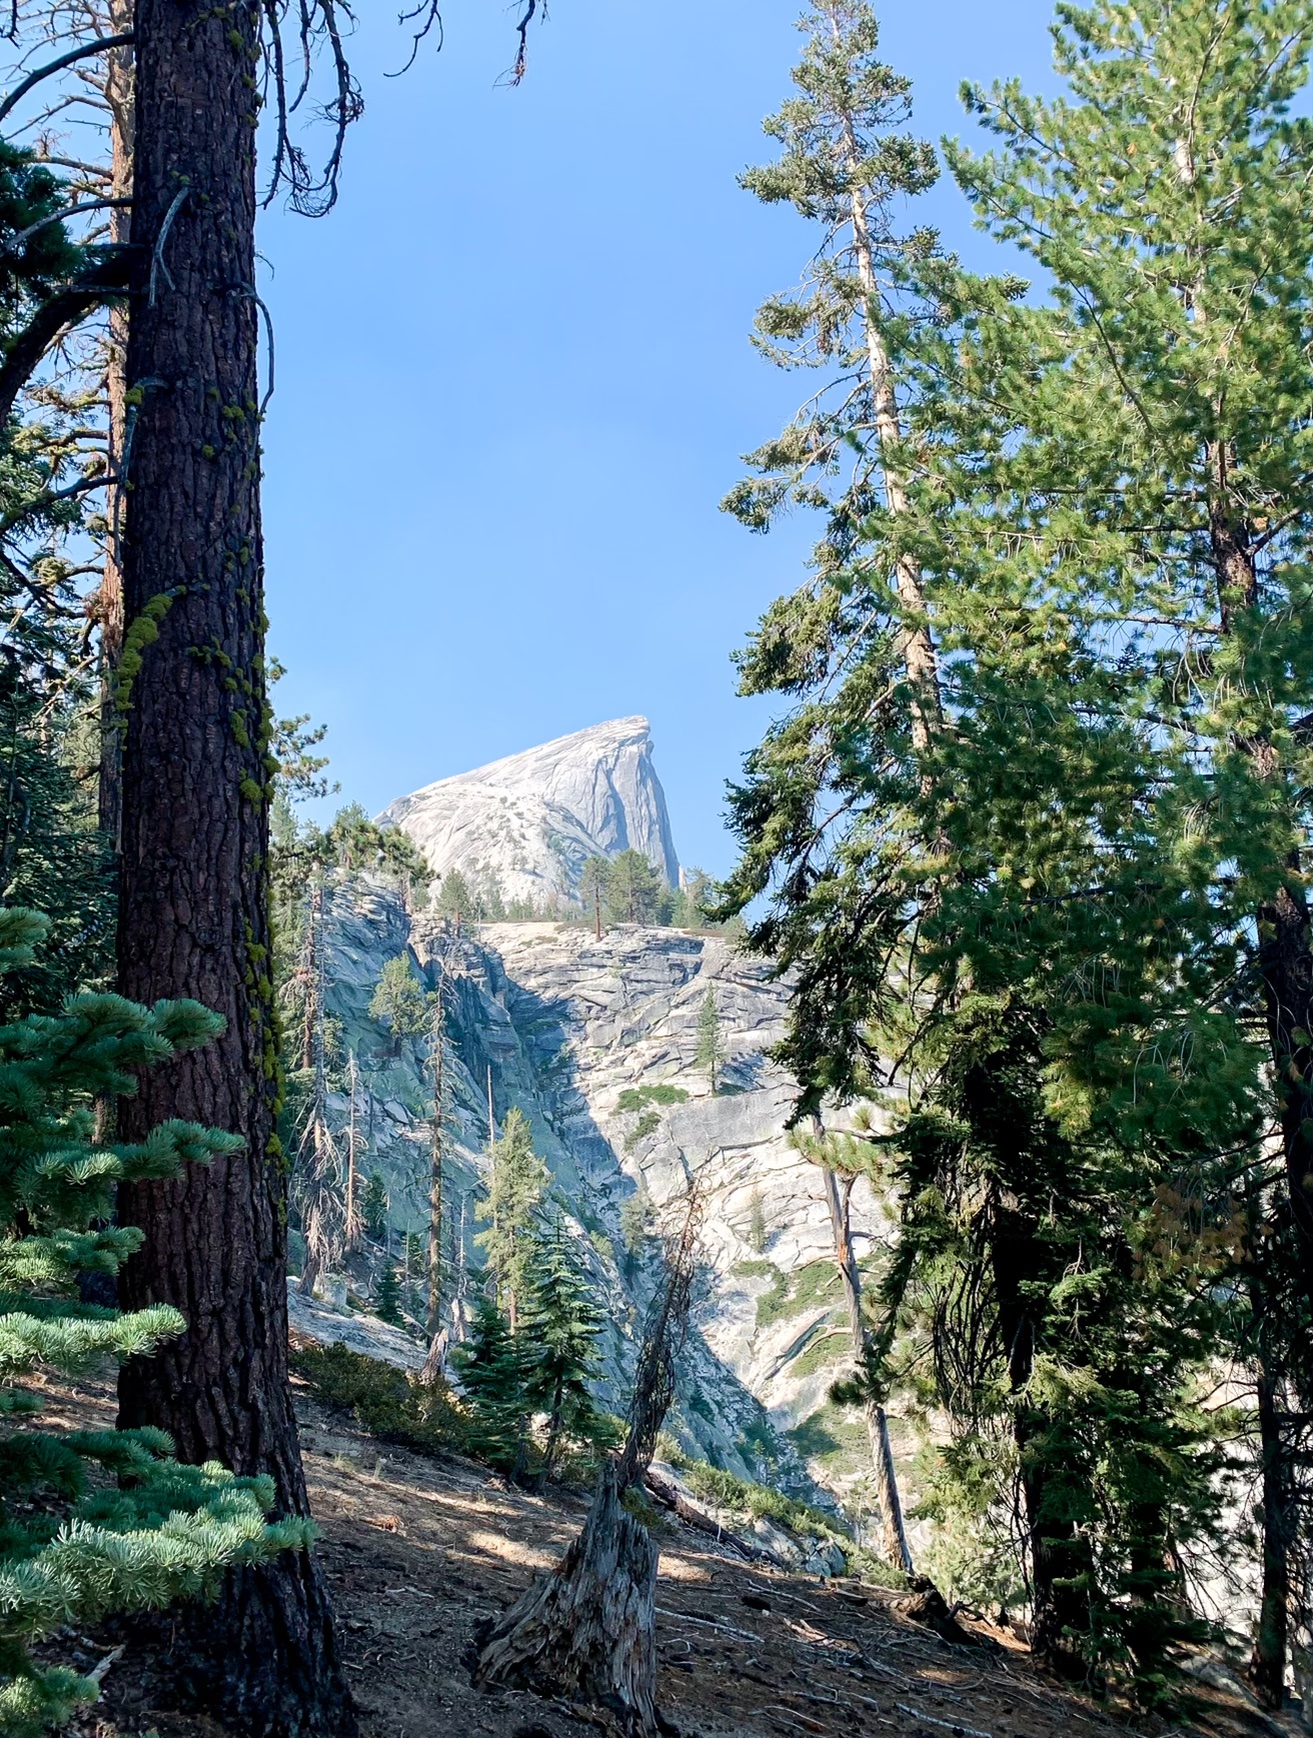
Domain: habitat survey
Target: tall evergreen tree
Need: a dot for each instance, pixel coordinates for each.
(374, 1206)
(399, 1001)
(635, 890)
(494, 1368)
(1167, 426)
(517, 1185)
(972, 870)
(387, 1296)
(560, 1328)
(194, 895)
(594, 881)
(711, 1046)
(454, 898)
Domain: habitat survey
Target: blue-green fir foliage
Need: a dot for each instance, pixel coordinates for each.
(561, 1327)
(495, 1373)
(99, 1521)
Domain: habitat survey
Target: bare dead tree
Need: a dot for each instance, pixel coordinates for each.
(841, 1159)
(587, 1629)
(838, 1198)
(664, 1336)
(354, 1225)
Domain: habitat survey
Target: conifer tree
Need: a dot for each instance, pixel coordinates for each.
(970, 869)
(560, 1329)
(191, 694)
(399, 1002)
(694, 900)
(845, 168)
(387, 1296)
(517, 1185)
(711, 1049)
(635, 890)
(495, 1372)
(374, 1206)
(454, 898)
(594, 882)
(74, 1549)
(1165, 438)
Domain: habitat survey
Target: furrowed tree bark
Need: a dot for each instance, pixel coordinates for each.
(1285, 935)
(119, 98)
(1267, 1666)
(194, 910)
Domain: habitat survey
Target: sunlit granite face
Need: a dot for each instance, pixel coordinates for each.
(530, 822)
(597, 1042)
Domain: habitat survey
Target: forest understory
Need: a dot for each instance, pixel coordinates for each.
(420, 1551)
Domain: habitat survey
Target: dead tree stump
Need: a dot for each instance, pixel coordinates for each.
(586, 1630)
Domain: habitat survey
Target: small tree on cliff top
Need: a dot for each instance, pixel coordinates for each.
(399, 1002)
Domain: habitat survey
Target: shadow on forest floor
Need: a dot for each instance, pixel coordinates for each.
(419, 1551)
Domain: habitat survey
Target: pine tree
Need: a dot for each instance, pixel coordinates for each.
(399, 1001)
(986, 865)
(387, 1296)
(636, 891)
(637, 1219)
(495, 1370)
(197, 785)
(560, 1329)
(594, 885)
(710, 1050)
(1165, 432)
(72, 1549)
(454, 898)
(517, 1185)
(758, 1234)
(374, 1206)
(694, 900)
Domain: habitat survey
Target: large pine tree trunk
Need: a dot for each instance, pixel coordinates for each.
(119, 97)
(194, 917)
(587, 1629)
(1267, 1666)
(1059, 1612)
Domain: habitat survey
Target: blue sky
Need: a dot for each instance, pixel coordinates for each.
(514, 380)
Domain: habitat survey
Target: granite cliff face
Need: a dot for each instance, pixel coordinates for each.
(596, 1042)
(529, 822)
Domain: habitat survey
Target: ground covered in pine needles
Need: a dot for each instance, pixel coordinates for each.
(420, 1550)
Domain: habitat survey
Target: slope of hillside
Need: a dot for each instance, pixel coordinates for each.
(420, 1551)
(596, 1042)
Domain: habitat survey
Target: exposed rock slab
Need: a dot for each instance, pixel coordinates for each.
(596, 1042)
(530, 821)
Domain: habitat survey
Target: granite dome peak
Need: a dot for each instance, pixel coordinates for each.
(529, 821)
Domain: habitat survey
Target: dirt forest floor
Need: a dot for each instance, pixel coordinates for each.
(419, 1551)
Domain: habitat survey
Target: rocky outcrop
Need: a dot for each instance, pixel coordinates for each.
(596, 1042)
(528, 823)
